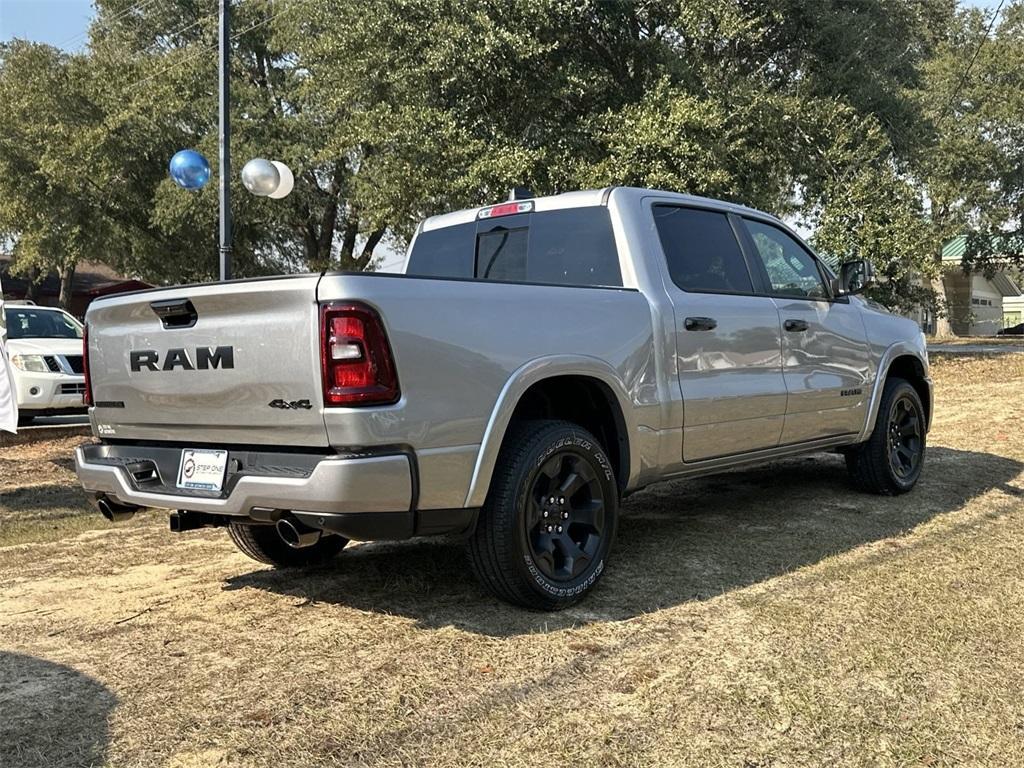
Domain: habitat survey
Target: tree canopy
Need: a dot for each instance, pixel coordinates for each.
(886, 126)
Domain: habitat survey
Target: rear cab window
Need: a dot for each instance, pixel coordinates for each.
(569, 246)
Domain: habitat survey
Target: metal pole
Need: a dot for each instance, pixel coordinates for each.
(225, 141)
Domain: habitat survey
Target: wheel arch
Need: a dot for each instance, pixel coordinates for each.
(907, 363)
(577, 388)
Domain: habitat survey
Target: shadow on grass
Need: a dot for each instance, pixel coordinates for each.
(53, 715)
(42, 498)
(679, 541)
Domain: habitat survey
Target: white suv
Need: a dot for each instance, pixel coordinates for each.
(45, 348)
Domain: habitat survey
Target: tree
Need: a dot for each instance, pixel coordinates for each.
(875, 212)
(157, 66)
(972, 168)
(390, 110)
(765, 103)
(970, 164)
(51, 207)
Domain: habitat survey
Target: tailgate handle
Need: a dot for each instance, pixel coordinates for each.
(175, 313)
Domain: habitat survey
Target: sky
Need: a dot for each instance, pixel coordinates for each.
(64, 22)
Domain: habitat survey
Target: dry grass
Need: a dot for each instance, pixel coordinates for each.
(953, 341)
(769, 617)
(40, 499)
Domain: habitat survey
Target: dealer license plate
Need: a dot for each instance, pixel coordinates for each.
(202, 469)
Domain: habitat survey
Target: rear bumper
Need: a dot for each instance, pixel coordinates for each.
(328, 484)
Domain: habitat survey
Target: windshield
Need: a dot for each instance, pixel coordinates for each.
(38, 323)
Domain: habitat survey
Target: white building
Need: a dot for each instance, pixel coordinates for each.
(977, 305)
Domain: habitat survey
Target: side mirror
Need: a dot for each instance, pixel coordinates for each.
(855, 277)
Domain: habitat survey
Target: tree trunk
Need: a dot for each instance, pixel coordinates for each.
(328, 223)
(348, 241)
(943, 329)
(372, 241)
(67, 277)
(311, 245)
(32, 285)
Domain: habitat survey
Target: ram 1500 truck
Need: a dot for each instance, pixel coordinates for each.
(537, 361)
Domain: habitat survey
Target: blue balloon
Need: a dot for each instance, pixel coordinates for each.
(189, 169)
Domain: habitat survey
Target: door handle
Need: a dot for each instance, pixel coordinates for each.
(796, 326)
(700, 324)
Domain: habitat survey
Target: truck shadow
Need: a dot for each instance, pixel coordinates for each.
(681, 541)
(53, 715)
(44, 498)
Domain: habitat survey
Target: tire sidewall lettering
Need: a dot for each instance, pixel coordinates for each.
(589, 450)
(554, 591)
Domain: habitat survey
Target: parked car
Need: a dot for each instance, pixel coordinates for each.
(45, 349)
(537, 361)
(1013, 330)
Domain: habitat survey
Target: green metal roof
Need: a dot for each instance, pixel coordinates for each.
(954, 250)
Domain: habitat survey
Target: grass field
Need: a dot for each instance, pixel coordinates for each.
(770, 617)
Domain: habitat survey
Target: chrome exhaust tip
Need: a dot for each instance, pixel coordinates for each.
(297, 535)
(115, 511)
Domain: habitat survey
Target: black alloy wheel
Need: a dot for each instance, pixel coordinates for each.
(905, 438)
(565, 520)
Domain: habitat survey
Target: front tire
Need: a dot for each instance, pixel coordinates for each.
(264, 544)
(543, 535)
(890, 461)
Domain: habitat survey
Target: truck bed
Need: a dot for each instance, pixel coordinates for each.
(456, 344)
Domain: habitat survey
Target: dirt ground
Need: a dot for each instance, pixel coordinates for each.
(770, 617)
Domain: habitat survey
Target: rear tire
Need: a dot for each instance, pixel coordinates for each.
(263, 544)
(890, 461)
(545, 530)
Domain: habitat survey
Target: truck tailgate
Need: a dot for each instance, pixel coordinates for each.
(224, 364)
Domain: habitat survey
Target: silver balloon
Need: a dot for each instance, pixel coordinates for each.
(260, 177)
(287, 181)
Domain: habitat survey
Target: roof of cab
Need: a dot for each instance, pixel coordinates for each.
(590, 197)
(581, 199)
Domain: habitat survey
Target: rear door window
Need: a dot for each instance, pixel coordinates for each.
(573, 246)
(701, 250)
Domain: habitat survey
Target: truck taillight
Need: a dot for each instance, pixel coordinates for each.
(355, 357)
(87, 395)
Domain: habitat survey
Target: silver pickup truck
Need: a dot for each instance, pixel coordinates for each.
(537, 361)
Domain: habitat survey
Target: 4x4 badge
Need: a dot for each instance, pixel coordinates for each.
(290, 404)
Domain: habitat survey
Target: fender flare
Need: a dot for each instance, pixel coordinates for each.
(897, 349)
(512, 392)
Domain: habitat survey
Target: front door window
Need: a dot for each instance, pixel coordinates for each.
(792, 271)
